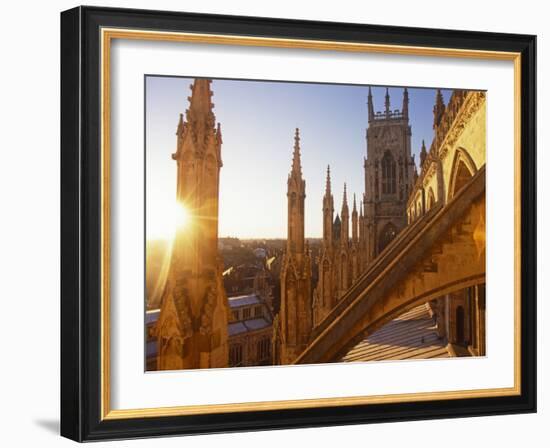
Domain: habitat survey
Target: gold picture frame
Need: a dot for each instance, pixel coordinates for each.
(120, 25)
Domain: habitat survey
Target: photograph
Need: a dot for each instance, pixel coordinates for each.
(304, 223)
(280, 223)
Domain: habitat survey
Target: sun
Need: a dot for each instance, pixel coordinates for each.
(165, 219)
(181, 216)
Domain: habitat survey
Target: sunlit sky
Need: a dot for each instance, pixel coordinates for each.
(258, 120)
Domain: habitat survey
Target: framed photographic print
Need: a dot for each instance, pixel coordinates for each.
(272, 224)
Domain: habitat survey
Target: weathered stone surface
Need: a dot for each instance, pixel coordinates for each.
(440, 256)
(295, 317)
(192, 326)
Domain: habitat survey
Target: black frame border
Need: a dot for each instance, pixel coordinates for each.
(81, 224)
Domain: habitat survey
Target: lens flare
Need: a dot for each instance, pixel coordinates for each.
(181, 216)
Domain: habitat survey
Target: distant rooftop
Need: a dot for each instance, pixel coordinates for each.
(235, 328)
(245, 300)
(151, 316)
(245, 326)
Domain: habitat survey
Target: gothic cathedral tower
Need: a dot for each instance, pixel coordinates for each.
(343, 256)
(192, 327)
(325, 295)
(389, 176)
(339, 263)
(296, 310)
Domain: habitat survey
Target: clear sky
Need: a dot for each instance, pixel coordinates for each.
(258, 120)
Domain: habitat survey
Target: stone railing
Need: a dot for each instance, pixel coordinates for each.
(395, 114)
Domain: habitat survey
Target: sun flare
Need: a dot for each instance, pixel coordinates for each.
(166, 220)
(181, 216)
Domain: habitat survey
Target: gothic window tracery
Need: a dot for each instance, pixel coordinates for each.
(326, 283)
(235, 355)
(388, 174)
(460, 323)
(462, 177)
(463, 170)
(388, 234)
(264, 350)
(376, 188)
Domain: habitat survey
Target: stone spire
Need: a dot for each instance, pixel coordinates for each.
(345, 219)
(296, 307)
(200, 107)
(181, 126)
(354, 222)
(296, 194)
(328, 212)
(296, 163)
(219, 133)
(423, 154)
(439, 108)
(345, 201)
(387, 102)
(337, 227)
(327, 186)
(370, 105)
(192, 326)
(405, 104)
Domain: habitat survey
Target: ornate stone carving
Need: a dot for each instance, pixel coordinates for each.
(458, 113)
(207, 311)
(458, 117)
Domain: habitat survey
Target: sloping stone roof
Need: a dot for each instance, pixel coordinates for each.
(410, 336)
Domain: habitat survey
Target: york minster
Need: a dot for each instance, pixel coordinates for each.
(300, 223)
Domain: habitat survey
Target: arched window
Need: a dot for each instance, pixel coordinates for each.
(235, 355)
(344, 273)
(326, 283)
(431, 199)
(386, 236)
(463, 170)
(388, 174)
(463, 175)
(264, 351)
(291, 219)
(460, 323)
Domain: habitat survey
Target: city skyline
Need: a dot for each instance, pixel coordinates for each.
(258, 120)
